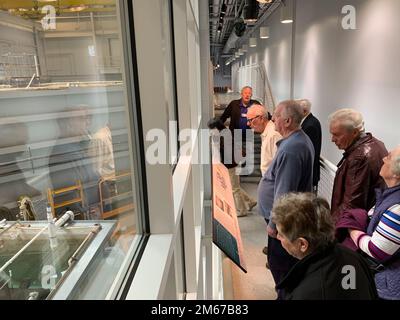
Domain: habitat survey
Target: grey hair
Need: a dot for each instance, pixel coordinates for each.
(396, 165)
(349, 119)
(246, 87)
(259, 109)
(293, 110)
(305, 104)
(304, 215)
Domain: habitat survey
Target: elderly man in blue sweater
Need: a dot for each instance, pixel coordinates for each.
(291, 170)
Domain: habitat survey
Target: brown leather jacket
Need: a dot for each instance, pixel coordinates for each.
(358, 176)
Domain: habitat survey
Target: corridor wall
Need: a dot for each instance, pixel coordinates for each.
(336, 67)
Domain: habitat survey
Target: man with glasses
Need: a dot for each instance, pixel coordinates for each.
(257, 119)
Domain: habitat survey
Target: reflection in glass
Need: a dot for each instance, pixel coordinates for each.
(64, 134)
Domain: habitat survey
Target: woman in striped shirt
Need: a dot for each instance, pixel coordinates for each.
(381, 241)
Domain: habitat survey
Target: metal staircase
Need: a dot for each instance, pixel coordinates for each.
(255, 175)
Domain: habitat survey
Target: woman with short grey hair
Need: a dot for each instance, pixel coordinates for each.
(306, 231)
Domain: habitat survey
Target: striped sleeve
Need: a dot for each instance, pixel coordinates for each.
(385, 240)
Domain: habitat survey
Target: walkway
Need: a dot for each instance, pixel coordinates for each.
(258, 283)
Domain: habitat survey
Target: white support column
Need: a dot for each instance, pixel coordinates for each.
(148, 33)
(207, 113)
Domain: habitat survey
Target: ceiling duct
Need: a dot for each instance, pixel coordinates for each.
(239, 28)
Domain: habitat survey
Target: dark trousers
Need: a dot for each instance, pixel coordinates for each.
(280, 262)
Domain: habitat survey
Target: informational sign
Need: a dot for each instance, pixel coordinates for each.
(226, 232)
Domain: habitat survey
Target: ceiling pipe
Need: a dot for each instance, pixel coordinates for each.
(221, 35)
(233, 37)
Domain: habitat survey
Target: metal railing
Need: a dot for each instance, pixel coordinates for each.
(328, 172)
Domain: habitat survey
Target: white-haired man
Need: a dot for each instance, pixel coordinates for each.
(357, 175)
(312, 127)
(258, 120)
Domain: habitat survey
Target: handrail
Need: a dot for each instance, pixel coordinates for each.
(327, 164)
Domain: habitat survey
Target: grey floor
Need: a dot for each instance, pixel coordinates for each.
(257, 283)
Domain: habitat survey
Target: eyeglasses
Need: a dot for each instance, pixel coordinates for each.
(252, 119)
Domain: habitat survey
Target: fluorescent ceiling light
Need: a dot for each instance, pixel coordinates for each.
(264, 32)
(78, 8)
(252, 42)
(286, 14)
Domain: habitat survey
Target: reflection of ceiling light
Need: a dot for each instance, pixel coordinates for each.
(264, 1)
(252, 42)
(22, 9)
(78, 8)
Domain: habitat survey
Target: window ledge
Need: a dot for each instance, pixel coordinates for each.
(149, 281)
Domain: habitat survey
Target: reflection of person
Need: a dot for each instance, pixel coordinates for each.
(290, 171)
(258, 120)
(323, 272)
(236, 111)
(312, 127)
(102, 155)
(12, 181)
(70, 161)
(380, 240)
(101, 149)
(357, 175)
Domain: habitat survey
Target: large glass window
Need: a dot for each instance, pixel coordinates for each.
(65, 146)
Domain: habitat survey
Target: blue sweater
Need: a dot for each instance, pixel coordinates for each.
(291, 170)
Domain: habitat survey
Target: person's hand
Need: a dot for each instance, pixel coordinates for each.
(273, 233)
(354, 234)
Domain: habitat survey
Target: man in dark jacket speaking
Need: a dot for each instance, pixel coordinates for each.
(237, 112)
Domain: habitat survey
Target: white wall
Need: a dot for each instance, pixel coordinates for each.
(337, 68)
(274, 53)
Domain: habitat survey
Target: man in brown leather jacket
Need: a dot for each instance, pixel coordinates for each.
(357, 175)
